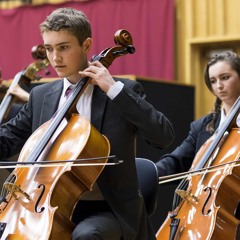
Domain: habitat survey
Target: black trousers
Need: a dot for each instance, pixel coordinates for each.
(95, 221)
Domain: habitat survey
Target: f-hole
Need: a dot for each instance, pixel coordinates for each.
(36, 206)
(209, 195)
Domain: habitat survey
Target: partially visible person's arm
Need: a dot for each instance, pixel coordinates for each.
(180, 160)
(19, 92)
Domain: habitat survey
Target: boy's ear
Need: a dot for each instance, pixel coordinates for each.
(87, 44)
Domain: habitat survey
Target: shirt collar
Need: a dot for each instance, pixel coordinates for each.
(223, 118)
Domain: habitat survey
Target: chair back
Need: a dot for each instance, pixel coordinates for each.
(148, 183)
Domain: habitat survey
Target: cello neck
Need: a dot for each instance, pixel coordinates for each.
(8, 98)
(5, 106)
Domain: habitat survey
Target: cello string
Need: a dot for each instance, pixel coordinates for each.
(4, 192)
(176, 198)
(12, 177)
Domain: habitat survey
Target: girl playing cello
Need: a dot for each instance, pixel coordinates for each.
(202, 197)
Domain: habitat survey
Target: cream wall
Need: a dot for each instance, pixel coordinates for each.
(203, 26)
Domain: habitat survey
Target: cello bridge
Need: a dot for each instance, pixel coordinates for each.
(13, 189)
(187, 196)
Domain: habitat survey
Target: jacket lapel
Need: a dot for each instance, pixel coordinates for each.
(50, 101)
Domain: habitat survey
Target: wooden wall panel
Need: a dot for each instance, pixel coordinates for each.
(203, 26)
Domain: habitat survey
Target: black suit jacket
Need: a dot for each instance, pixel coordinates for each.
(119, 120)
(180, 160)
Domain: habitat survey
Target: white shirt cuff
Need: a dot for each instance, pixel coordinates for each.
(115, 89)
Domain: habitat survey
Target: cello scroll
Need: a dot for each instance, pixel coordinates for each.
(123, 41)
(25, 76)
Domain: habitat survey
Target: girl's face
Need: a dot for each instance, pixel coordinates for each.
(65, 54)
(225, 83)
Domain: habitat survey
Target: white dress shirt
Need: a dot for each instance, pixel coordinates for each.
(85, 101)
(223, 118)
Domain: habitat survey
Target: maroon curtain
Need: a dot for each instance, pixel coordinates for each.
(150, 22)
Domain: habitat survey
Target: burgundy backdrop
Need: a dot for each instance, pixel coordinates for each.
(150, 22)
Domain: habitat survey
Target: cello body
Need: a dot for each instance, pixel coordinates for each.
(209, 207)
(212, 209)
(46, 199)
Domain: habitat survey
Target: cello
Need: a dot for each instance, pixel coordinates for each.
(206, 206)
(25, 76)
(46, 197)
